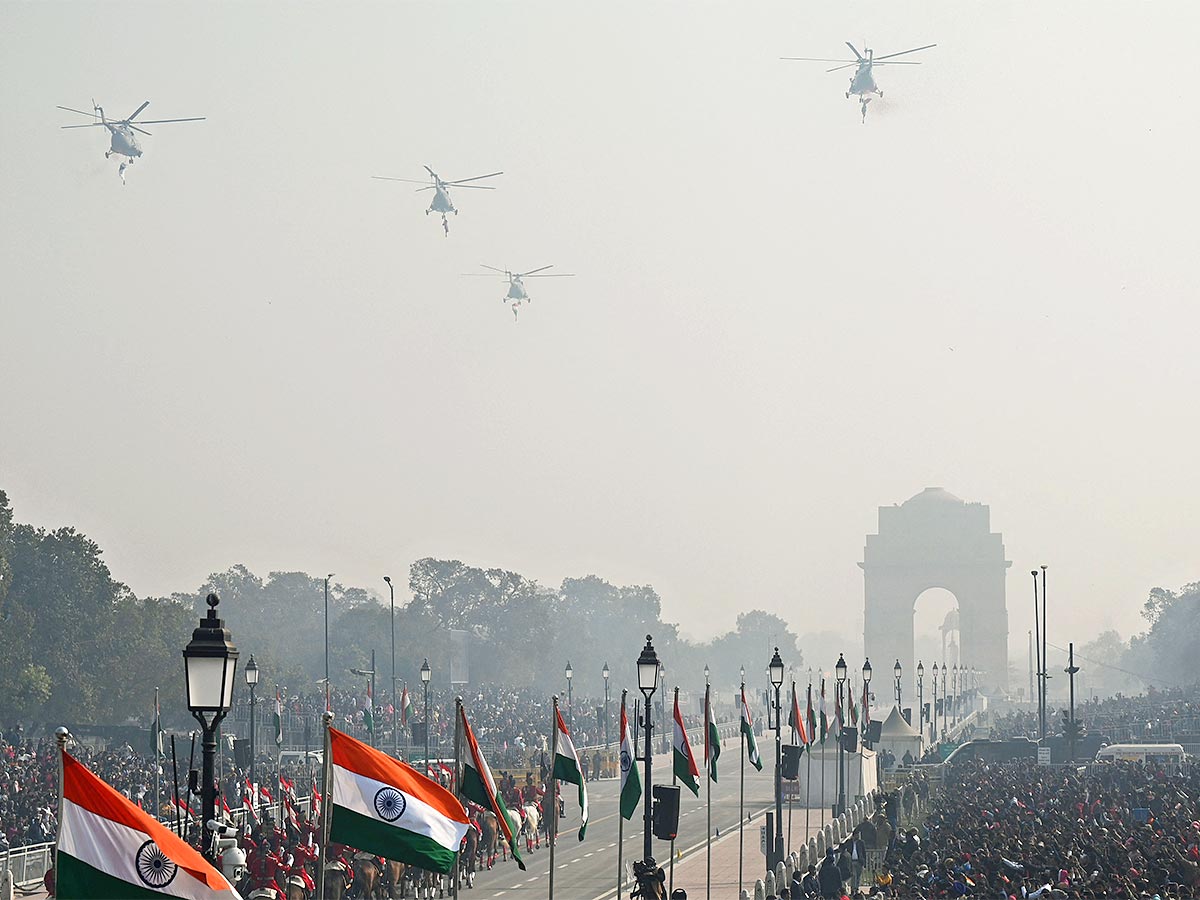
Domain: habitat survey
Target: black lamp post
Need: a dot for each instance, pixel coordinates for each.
(955, 690)
(933, 716)
(945, 698)
(210, 667)
(839, 672)
(426, 674)
(252, 680)
(897, 671)
(605, 673)
(328, 704)
(921, 697)
(776, 674)
(866, 677)
(647, 672)
(395, 711)
(570, 704)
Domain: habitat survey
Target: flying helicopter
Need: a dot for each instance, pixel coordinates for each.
(517, 294)
(862, 82)
(441, 191)
(124, 142)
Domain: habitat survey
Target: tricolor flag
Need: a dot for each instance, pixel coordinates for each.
(631, 781)
(479, 787)
(798, 732)
(369, 713)
(824, 720)
(853, 708)
(108, 848)
(278, 719)
(685, 763)
(812, 718)
(712, 738)
(380, 805)
(406, 706)
(837, 716)
(748, 734)
(566, 768)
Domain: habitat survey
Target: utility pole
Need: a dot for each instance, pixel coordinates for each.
(1073, 730)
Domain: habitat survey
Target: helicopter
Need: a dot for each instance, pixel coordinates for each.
(862, 82)
(441, 192)
(124, 142)
(517, 294)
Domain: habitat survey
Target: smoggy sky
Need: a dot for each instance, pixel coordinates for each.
(782, 318)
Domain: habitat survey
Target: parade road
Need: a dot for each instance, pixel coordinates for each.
(587, 870)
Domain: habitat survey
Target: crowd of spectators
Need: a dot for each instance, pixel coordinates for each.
(1160, 715)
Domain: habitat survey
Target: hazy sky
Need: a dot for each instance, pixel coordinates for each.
(781, 319)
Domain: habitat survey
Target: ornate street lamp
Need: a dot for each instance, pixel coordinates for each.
(570, 705)
(647, 674)
(866, 677)
(839, 672)
(933, 716)
(605, 673)
(252, 681)
(210, 666)
(897, 671)
(776, 673)
(921, 697)
(395, 710)
(426, 674)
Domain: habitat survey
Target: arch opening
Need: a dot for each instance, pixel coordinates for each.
(936, 629)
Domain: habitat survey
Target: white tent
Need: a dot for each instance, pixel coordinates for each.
(822, 760)
(896, 735)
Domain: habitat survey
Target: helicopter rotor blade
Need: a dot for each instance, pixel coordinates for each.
(494, 269)
(142, 130)
(535, 271)
(857, 55)
(134, 114)
(817, 59)
(899, 62)
(476, 178)
(839, 68)
(88, 125)
(552, 275)
(478, 187)
(430, 171)
(902, 52)
(80, 111)
(164, 121)
(406, 180)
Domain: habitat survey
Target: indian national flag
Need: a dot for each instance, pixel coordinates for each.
(685, 763)
(712, 738)
(383, 806)
(108, 848)
(824, 720)
(631, 781)
(278, 719)
(812, 719)
(369, 714)
(479, 787)
(748, 734)
(406, 707)
(566, 768)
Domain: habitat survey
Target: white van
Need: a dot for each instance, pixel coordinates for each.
(314, 758)
(1169, 756)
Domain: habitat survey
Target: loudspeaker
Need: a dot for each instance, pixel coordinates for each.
(418, 733)
(790, 764)
(241, 753)
(665, 815)
(850, 740)
(873, 729)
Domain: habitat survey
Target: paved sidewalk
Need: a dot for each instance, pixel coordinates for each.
(690, 871)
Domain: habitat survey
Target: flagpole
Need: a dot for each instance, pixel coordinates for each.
(552, 822)
(824, 720)
(674, 781)
(157, 758)
(60, 736)
(326, 801)
(708, 763)
(742, 792)
(795, 710)
(621, 818)
(808, 764)
(458, 716)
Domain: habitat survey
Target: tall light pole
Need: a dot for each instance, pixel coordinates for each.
(897, 671)
(369, 675)
(954, 690)
(921, 697)
(605, 673)
(210, 668)
(933, 716)
(570, 673)
(945, 698)
(395, 711)
(866, 677)
(647, 672)
(426, 674)
(839, 672)
(252, 680)
(776, 674)
(327, 577)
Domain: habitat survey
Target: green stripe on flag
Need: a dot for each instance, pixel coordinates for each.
(389, 841)
(77, 879)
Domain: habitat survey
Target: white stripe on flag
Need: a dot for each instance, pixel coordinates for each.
(357, 793)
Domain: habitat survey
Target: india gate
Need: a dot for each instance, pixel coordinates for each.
(936, 540)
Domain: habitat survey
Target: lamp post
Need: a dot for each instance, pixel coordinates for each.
(945, 697)
(252, 680)
(369, 675)
(647, 672)
(933, 716)
(605, 673)
(898, 672)
(327, 577)
(954, 690)
(866, 677)
(395, 711)
(426, 674)
(921, 697)
(570, 705)
(776, 673)
(210, 667)
(839, 672)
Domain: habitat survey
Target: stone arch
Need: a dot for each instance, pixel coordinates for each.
(935, 540)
